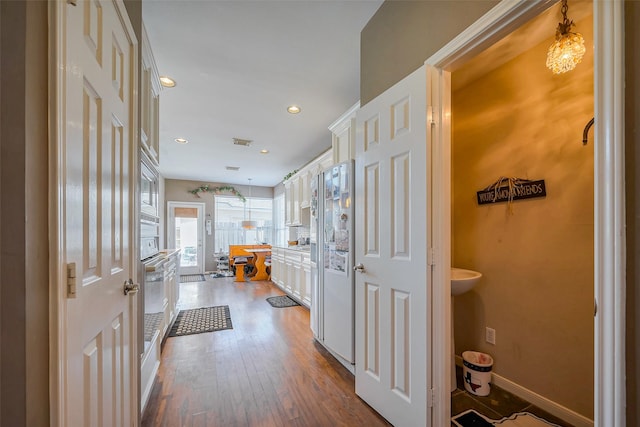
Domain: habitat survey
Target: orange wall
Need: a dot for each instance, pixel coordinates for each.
(522, 121)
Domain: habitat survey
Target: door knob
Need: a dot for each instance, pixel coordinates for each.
(130, 287)
(359, 268)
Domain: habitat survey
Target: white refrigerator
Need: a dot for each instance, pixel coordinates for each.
(332, 255)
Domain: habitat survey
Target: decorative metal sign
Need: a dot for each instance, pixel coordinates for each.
(510, 189)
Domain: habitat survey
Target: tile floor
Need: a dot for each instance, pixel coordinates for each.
(498, 404)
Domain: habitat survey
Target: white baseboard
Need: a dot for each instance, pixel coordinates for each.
(541, 402)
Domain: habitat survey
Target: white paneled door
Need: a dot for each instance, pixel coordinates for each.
(96, 58)
(393, 311)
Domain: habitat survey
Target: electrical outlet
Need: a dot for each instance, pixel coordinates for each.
(490, 335)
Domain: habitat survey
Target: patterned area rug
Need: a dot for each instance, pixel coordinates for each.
(472, 418)
(282, 301)
(200, 320)
(192, 278)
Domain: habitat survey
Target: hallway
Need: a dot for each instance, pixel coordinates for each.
(266, 371)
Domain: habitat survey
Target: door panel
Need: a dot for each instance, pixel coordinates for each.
(393, 313)
(99, 363)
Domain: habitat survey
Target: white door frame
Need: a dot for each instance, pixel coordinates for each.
(609, 209)
(171, 229)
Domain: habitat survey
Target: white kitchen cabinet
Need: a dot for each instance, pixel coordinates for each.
(291, 272)
(276, 265)
(343, 138)
(305, 280)
(292, 201)
(295, 196)
(288, 203)
(150, 99)
(305, 189)
(297, 190)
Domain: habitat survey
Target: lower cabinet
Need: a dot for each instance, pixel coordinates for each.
(291, 272)
(161, 293)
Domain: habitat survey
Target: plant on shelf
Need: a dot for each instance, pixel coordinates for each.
(290, 174)
(205, 188)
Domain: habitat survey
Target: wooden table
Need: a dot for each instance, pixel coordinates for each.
(259, 260)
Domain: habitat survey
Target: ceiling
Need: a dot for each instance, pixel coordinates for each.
(238, 66)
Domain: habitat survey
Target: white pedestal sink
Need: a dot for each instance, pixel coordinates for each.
(461, 281)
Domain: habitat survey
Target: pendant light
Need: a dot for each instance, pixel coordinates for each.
(248, 224)
(567, 50)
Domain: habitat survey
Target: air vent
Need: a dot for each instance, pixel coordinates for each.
(243, 142)
(232, 168)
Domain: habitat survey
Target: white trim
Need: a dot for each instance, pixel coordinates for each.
(351, 111)
(609, 237)
(541, 402)
(57, 329)
(609, 214)
(504, 18)
(440, 192)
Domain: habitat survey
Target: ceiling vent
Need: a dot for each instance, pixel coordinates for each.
(232, 168)
(243, 142)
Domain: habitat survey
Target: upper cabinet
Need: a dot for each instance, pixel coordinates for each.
(150, 93)
(297, 190)
(343, 133)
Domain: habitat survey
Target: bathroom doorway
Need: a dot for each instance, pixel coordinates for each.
(535, 254)
(603, 271)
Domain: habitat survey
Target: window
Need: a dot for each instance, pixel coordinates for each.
(230, 211)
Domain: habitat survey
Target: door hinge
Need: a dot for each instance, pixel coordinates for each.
(71, 280)
(431, 256)
(431, 398)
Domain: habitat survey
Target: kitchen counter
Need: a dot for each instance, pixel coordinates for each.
(169, 252)
(298, 248)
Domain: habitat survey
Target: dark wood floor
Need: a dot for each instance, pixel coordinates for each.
(266, 371)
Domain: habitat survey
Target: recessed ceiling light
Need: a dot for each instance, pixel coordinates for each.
(264, 151)
(293, 109)
(167, 81)
(181, 141)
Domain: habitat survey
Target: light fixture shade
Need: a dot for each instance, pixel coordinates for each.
(565, 53)
(249, 224)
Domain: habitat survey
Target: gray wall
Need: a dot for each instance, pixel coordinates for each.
(176, 190)
(24, 260)
(403, 34)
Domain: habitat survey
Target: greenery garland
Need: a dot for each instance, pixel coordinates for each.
(204, 188)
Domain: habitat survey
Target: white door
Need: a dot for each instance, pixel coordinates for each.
(393, 287)
(96, 54)
(186, 232)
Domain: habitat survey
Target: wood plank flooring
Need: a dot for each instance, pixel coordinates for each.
(266, 371)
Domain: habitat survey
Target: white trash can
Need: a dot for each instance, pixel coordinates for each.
(476, 372)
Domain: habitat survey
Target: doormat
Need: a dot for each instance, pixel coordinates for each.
(282, 301)
(472, 418)
(200, 320)
(192, 278)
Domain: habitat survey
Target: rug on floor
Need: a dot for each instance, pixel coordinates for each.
(192, 278)
(282, 301)
(200, 320)
(472, 418)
